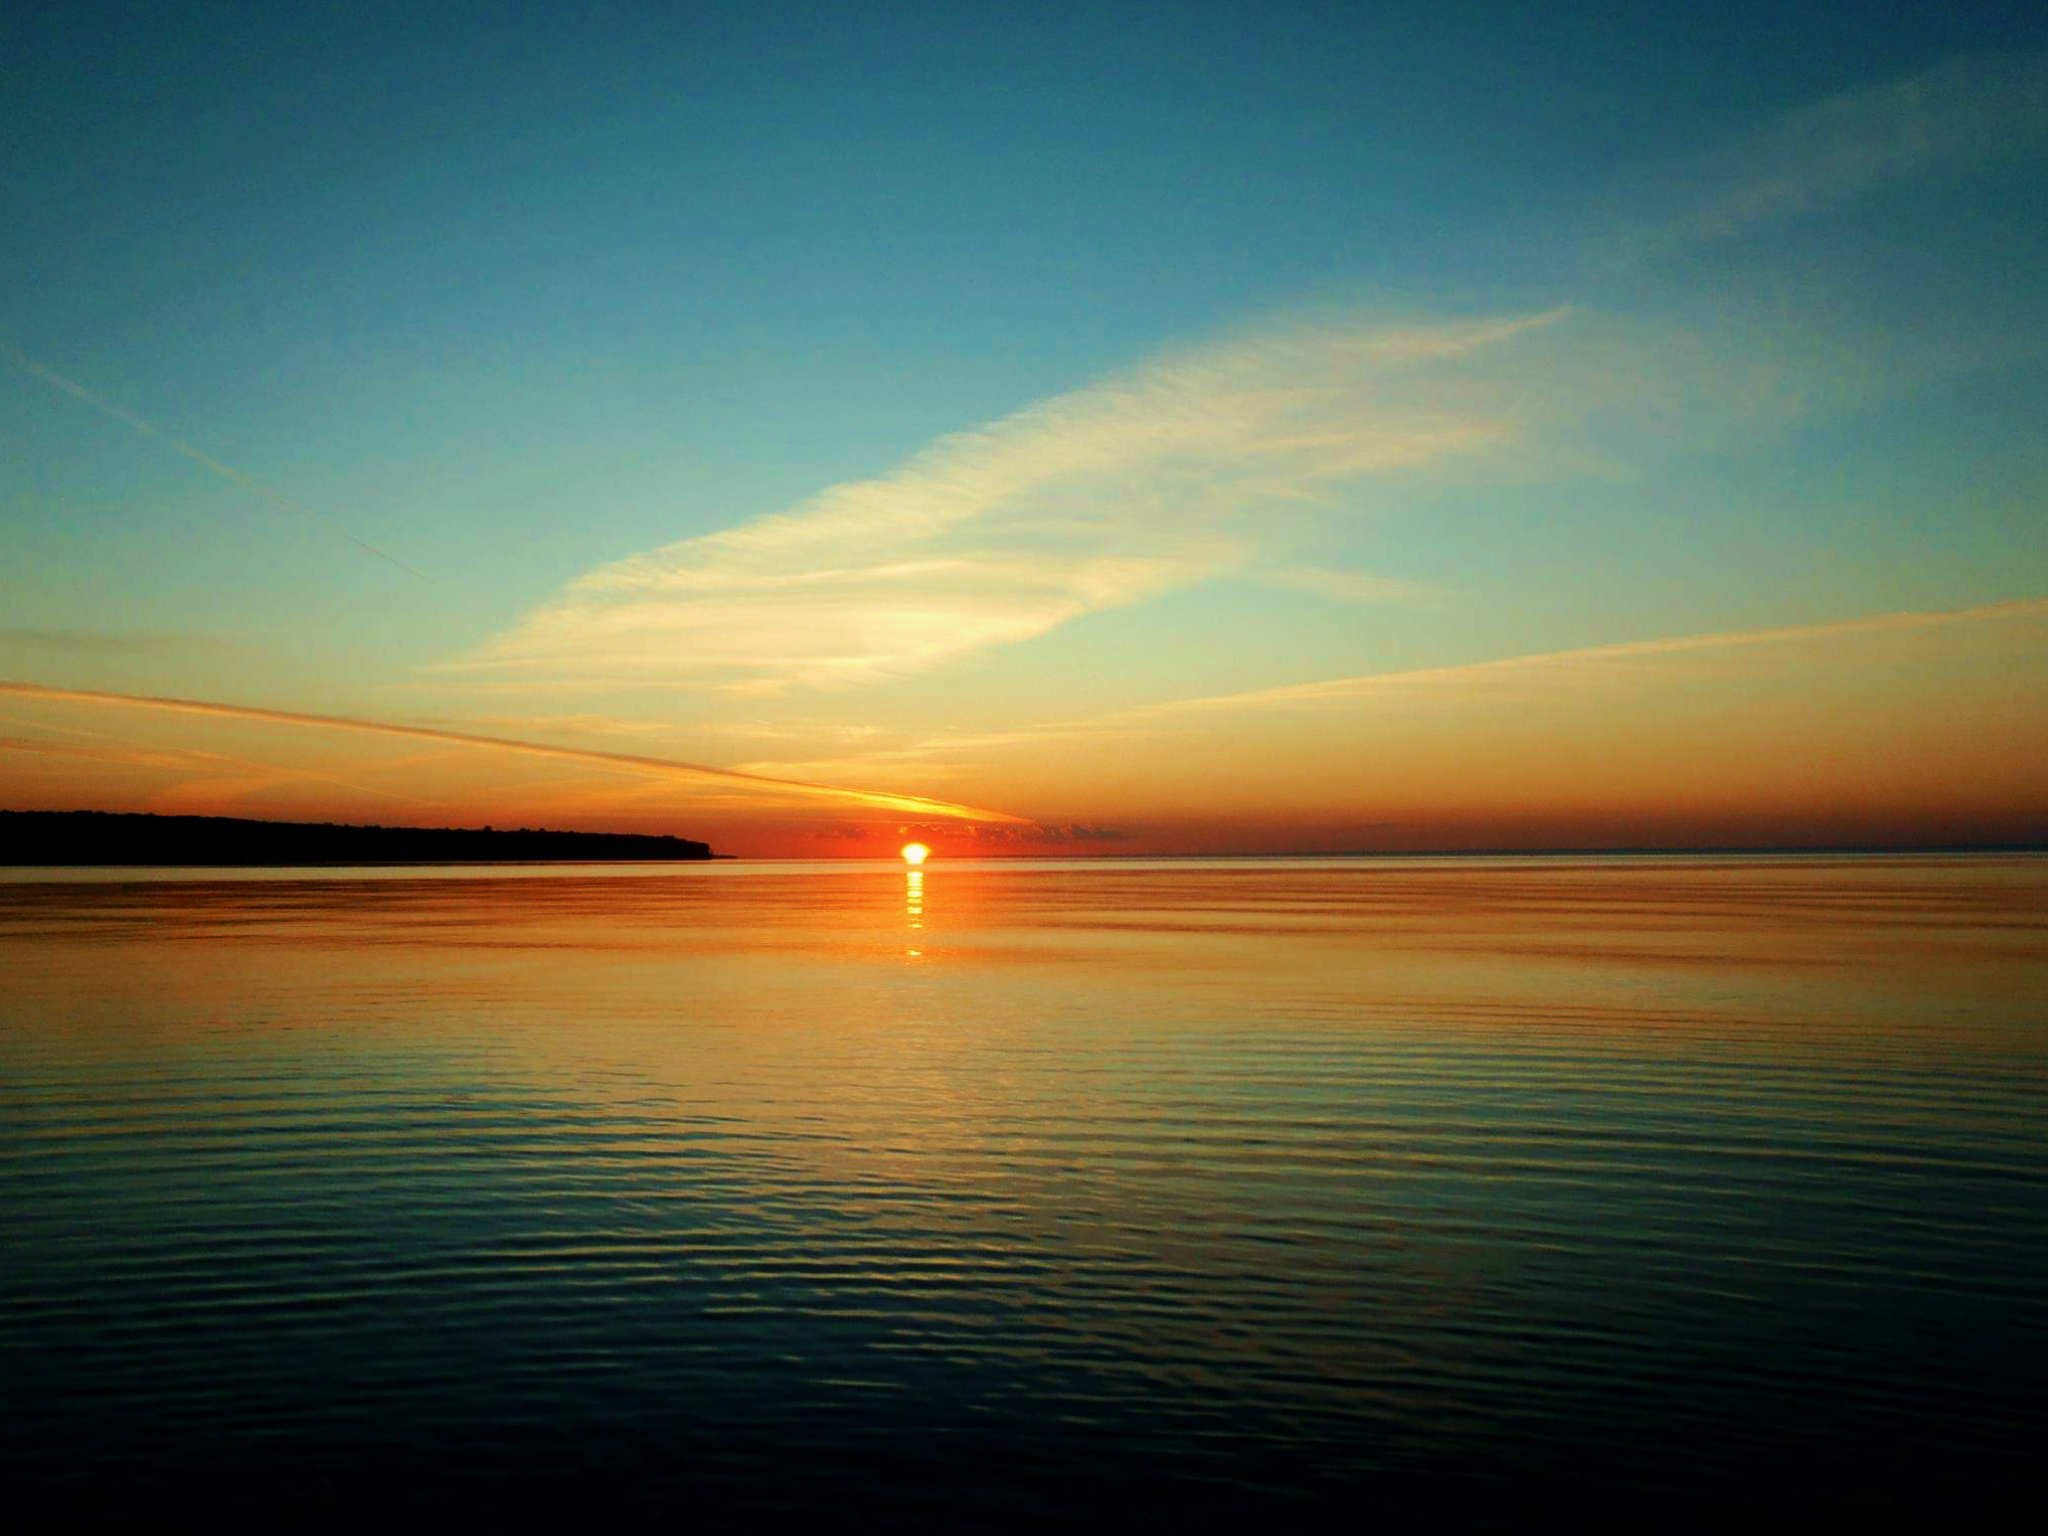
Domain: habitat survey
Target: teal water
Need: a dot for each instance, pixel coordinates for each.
(1459, 1190)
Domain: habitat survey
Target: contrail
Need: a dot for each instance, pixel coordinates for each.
(78, 391)
(916, 804)
(1340, 689)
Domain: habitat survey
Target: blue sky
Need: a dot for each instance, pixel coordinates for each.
(520, 293)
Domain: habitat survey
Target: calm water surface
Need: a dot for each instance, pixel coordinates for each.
(1462, 1189)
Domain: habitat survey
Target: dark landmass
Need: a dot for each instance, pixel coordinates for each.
(104, 837)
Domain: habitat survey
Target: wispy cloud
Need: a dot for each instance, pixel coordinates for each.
(946, 755)
(926, 757)
(1231, 460)
(907, 804)
(1152, 480)
(1964, 114)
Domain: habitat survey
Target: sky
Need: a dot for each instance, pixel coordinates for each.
(1091, 429)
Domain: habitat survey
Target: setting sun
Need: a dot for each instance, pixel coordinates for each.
(915, 853)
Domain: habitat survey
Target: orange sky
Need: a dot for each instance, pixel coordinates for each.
(1914, 728)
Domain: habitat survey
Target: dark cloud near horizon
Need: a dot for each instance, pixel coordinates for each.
(1069, 832)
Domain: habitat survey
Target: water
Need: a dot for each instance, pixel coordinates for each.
(1008, 1193)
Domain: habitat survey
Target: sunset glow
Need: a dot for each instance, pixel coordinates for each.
(1675, 487)
(915, 853)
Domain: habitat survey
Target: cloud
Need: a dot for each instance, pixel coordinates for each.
(1230, 460)
(1193, 465)
(1963, 115)
(923, 756)
(912, 804)
(1032, 835)
(934, 757)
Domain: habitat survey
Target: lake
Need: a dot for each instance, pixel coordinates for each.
(1006, 1193)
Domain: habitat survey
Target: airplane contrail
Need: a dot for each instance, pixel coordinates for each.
(1342, 689)
(915, 804)
(105, 407)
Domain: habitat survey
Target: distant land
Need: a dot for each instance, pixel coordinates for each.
(108, 837)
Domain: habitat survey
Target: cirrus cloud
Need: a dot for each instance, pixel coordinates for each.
(1191, 466)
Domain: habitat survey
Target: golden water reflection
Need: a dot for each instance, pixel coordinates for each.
(1248, 1143)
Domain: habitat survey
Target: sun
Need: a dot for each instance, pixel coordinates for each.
(915, 853)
